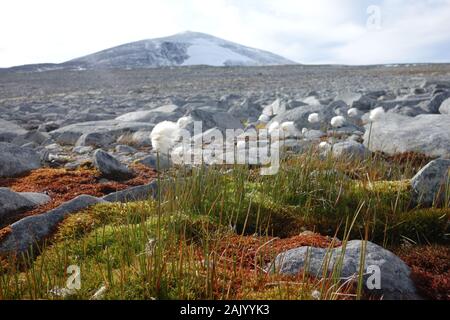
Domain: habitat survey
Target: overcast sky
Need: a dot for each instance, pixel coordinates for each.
(319, 31)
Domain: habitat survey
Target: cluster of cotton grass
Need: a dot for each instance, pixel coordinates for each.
(336, 122)
(286, 129)
(166, 134)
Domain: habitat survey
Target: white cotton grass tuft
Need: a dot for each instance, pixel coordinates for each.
(338, 122)
(289, 129)
(377, 114)
(274, 126)
(353, 113)
(164, 136)
(264, 118)
(313, 118)
(183, 122)
(324, 145)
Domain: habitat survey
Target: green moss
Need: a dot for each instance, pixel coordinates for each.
(424, 226)
(76, 226)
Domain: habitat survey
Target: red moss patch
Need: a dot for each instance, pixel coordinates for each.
(64, 185)
(248, 251)
(239, 261)
(430, 270)
(4, 232)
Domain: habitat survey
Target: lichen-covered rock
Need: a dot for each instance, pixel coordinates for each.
(395, 282)
(430, 183)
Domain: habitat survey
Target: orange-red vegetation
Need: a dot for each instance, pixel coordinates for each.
(239, 263)
(4, 232)
(250, 250)
(430, 270)
(63, 185)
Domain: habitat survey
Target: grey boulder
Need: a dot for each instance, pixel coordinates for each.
(16, 161)
(152, 161)
(365, 102)
(437, 100)
(139, 139)
(426, 134)
(140, 193)
(395, 282)
(31, 231)
(211, 118)
(110, 167)
(9, 131)
(95, 139)
(430, 183)
(350, 149)
(12, 203)
(35, 137)
(124, 149)
(164, 113)
(245, 110)
(445, 107)
(70, 134)
(36, 198)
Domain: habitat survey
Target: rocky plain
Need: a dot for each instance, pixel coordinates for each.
(72, 140)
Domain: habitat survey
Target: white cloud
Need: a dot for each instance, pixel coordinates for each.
(320, 31)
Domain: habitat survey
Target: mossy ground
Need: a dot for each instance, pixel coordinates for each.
(211, 233)
(64, 185)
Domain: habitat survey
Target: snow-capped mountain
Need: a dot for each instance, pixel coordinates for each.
(183, 49)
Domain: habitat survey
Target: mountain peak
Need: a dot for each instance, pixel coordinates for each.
(181, 49)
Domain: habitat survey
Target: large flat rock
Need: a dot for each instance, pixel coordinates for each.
(164, 113)
(70, 134)
(427, 134)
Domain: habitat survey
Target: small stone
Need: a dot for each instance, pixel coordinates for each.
(110, 167)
